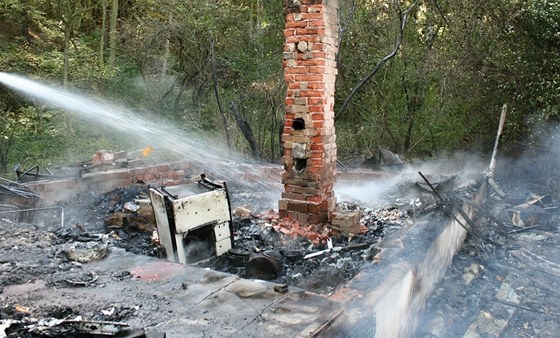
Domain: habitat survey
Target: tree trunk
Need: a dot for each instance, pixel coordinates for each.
(5, 145)
(102, 33)
(66, 65)
(113, 32)
(66, 69)
(246, 130)
(217, 93)
(166, 53)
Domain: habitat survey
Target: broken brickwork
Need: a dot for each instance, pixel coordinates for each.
(309, 62)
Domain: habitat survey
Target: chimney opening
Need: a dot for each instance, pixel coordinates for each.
(298, 124)
(300, 164)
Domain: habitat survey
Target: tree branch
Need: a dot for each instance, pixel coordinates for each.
(393, 53)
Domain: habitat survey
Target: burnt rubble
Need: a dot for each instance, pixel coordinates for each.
(310, 257)
(302, 256)
(506, 286)
(263, 250)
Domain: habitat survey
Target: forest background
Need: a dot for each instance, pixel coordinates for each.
(426, 77)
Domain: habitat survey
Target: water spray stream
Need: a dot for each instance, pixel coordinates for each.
(195, 147)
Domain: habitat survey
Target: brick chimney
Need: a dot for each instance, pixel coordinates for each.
(309, 139)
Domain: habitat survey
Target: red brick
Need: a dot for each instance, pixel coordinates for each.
(317, 109)
(293, 39)
(297, 70)
(319, 54)
(293, 85)
(318, 124)
(316, 70)
(318, 154)
(313, 198)
(316, 85)
(308, 78)
(297, 207)
(316, 23)
(308, 31)
(289, 78)
(311, 93)
(315, 101)
(296, 24)
(289, 32)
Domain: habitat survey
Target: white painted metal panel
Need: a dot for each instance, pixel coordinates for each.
(221, 231)
(160, 212)
(223, 246)
(202, 209)
(181, 252)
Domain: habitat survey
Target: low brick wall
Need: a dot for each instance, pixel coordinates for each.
(174, 173)
(164, 174)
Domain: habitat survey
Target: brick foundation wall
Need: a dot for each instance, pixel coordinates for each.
(311, 37)
(166, 174)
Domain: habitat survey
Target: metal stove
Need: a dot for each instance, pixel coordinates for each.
(193, 220)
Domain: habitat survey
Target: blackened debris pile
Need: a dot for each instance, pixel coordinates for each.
(506, 287)
(124, 213)
(311, 257)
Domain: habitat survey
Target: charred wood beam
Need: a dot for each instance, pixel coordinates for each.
(492, 166)
(482, 210)
(452, 208)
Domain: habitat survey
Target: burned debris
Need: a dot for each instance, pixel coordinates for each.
(507, 287)
(317, 258)
(17, 202)
(314, 257)
(102, 160)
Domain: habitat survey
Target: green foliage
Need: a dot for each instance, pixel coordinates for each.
(458, 63)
